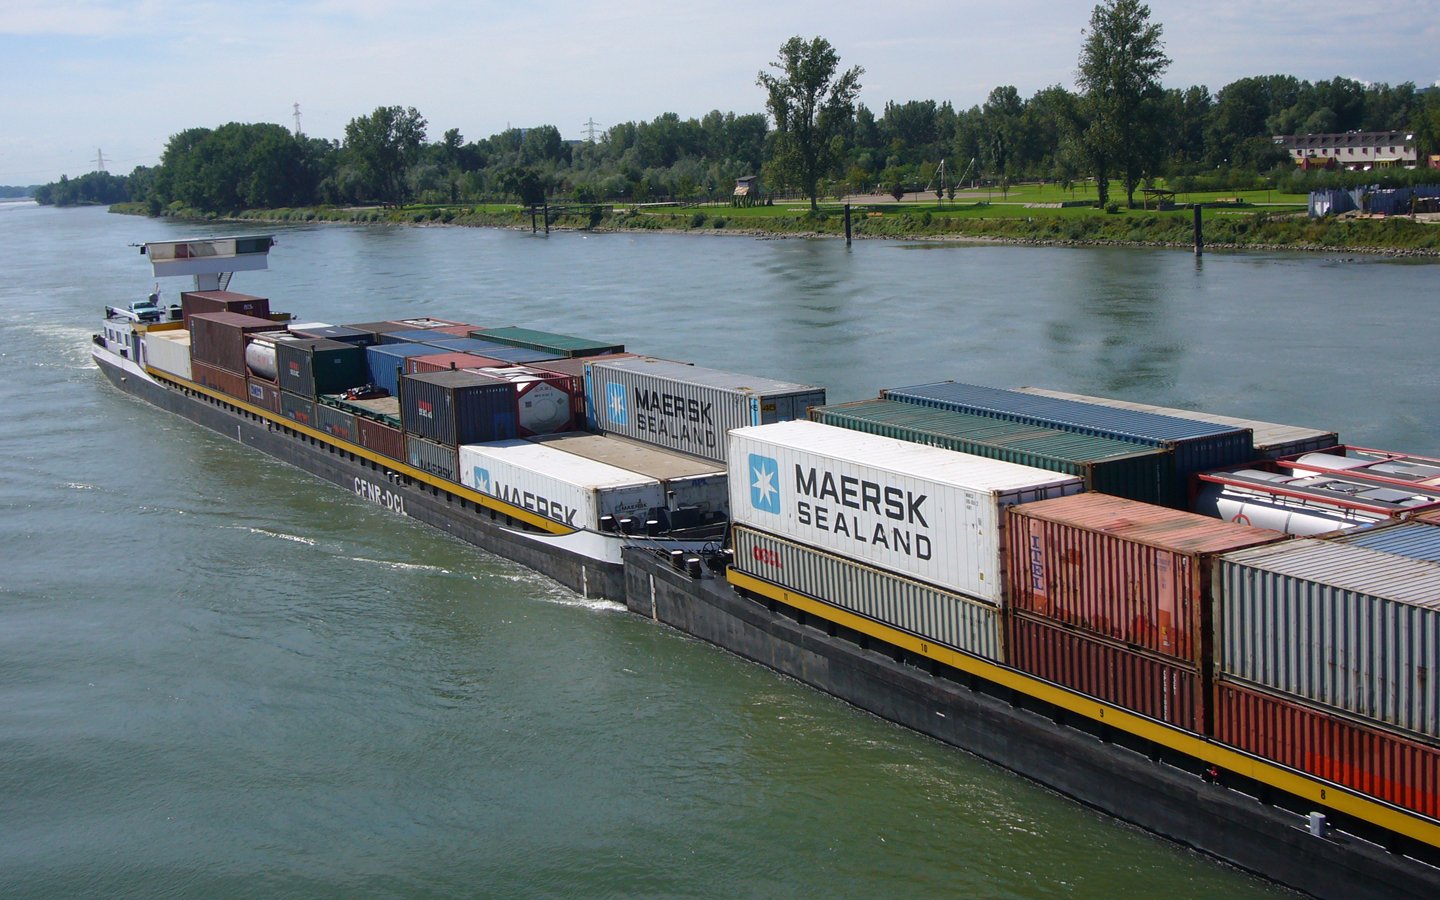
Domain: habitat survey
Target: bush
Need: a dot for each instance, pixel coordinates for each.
(1112, 208)
(697, 220)
(718, 222)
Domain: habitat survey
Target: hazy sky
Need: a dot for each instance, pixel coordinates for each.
(79, 76)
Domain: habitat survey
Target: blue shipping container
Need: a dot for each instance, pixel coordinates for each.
(458, 407)
(386, 361)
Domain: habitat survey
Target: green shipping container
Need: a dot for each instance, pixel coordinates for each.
(532, 339)
(1108, 465)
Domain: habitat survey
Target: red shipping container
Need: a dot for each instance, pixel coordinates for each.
(1144, 683)
(192, 302)
(263, 394)
(457, 330)
(575, 367)
(381, 438)
(1370, 760)
(219, 339)
(218, 379)
(1121, 569)
(440, 362)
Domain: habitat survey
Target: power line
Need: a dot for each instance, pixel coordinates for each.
(590, 126)
(99, 160)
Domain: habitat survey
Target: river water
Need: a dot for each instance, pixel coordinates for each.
(219, 677)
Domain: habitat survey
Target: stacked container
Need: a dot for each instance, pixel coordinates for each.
(336, 422)
(689, 483)
(1196, 446)
(297, 408)
(560, 486)
(342, 333)
(458, 407)
(192, 302)
(560, 344)
(502, 352)
(218, 379)
(1112, 598)
(1272, 441)
(687, 408)
(387, 362)
(444, 361)
(381, 438)
(543, 402)
(218, 339)
(314, 367)
(169, 351)
(1113, 466)
(430, 457)
(919, 512)
(263, 394)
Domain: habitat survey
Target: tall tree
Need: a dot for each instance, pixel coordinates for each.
(1120, 67)
(811, 107)
(383, 146)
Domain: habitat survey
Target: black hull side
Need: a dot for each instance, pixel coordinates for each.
(585, 576)
(1131, 783)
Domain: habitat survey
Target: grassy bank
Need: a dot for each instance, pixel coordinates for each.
(1243, 221)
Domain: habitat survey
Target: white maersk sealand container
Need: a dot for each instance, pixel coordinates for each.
(932, 514)
(560, 486)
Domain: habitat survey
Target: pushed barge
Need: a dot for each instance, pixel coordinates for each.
(1165, 765)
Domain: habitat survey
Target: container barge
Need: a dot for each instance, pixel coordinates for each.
(1012, 573)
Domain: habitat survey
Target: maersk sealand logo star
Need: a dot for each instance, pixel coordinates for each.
(615, 402)
(764, 484)
(482, 479)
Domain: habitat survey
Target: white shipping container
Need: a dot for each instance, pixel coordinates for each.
(688, 481)
(943, 617)
(169, 351)
(560, 486)
(1350, 627)
(932, 514)
(684, 407)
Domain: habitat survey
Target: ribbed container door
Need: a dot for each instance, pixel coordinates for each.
(380, 438)
(297, 408)
(954, 620)
(336, 422)
(263, 394)
(432, 458)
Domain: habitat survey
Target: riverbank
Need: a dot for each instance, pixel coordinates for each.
(1225, 228)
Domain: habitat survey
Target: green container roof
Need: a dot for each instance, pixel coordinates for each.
(548, 340)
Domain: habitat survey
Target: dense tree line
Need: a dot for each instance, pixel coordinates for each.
(1120, 125)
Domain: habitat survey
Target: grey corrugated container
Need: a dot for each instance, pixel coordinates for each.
(1111, 466)
(436, 459)
(687, 481)
(954, 620)
(458, 407)
(1344, 626)
(493, 349)
(1412, 540)
(1198, 446)
(688, 408)
(336, 422)
(318, 366)
(563, 344)
(1272, 440)
(297, 408)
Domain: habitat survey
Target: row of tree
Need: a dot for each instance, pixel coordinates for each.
(1121, 124)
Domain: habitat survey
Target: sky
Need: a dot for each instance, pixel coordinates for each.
(81, 77)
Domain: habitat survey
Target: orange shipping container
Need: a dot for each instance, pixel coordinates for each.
(1120, 569)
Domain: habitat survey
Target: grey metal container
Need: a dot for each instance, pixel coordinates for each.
(562, 344)
(688, 408)
(954, 620)
(336, 422)
(1111, 466)
(436, 459)
(317, 366)
(297, 408)
(1198, 446)
(1345, 626)
(688, 482)
(1412, 540)
(1272, 440)
(458, 407)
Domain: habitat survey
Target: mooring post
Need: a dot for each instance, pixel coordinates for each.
(532, 220)
(547, 217)
(847, 224)
(1199, 234)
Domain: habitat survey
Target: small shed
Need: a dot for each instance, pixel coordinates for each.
(747, 191)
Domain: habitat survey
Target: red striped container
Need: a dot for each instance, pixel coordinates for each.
(1337, 749)
(1120, 569)
(1141, 682)
(383, 439)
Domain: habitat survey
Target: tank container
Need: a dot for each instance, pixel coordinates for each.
(261, 360)
(561, 344)
(432, 458)
(1132, 572)
(218, 379)
(1113, 466)
(543, 402)
(560, 486)
(1349, 627)
(1271, 440)
(944, 617)
(1336, 748)
(687, 408)
(1155, 686)
(1197, 446)
(932, 514)
(457, 407)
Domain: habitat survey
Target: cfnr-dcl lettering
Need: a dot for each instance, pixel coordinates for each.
(380, 495)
